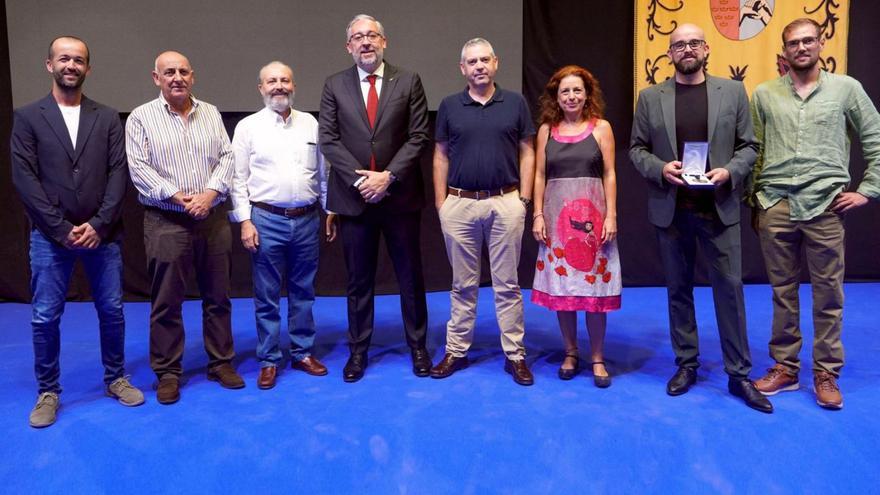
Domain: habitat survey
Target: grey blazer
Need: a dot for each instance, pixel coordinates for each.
(732, 145)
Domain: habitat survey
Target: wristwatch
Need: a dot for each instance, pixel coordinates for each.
(525, 201)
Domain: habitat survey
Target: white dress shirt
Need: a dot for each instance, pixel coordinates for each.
(365, 84)
(277, 161)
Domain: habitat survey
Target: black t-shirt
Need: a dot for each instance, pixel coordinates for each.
(692, 124)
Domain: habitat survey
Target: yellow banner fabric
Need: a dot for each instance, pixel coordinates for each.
(744, 36)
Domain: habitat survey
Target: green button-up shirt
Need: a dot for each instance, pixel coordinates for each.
(804, 153)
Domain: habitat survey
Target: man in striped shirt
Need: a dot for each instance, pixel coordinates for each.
(180, 161)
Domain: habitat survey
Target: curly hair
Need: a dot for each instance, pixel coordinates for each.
(594, 106)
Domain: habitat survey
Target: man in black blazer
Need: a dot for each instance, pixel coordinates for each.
(373, 129)
(69, 167)
(696, 107)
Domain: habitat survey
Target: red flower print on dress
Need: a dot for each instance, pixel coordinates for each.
(590, 278)
(540, 265)
(607, 277)
(559, 252)
(561, 271)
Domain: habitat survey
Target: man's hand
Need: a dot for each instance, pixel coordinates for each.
(672, 173)
(85, 236)
(846, 201)
(718, 176)
(180, 199)
(375, 187)
(250, 239)
(199, 206)
(330, 227)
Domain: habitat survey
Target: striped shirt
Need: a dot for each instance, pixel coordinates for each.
(167, 155)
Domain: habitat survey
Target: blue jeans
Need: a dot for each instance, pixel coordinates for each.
(51, 266)
(289, 247)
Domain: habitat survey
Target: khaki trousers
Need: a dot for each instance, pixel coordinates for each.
(467, 224)
(823, 241)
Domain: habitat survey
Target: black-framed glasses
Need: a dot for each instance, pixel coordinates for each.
(808, 42)
(679, 46)
(372, 37)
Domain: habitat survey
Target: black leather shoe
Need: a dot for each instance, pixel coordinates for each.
(355, 367)
(421, 362)
(601, 381)
(520, 371)
(569, 373)
(681, 381)
(745, 390)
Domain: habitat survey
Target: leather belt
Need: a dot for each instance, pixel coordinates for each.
(287, 212)
(481, 194)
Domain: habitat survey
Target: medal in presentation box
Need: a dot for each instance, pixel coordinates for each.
(694, 165)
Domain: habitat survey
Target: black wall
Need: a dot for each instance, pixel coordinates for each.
(595, 34)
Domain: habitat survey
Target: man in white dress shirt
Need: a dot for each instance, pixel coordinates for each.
(278, 180)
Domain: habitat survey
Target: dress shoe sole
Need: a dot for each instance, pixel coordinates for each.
(352, 379)
(828, 405)
(677, 392)
(789, 388)
(217, 379)
(312, 373)
(422, 373)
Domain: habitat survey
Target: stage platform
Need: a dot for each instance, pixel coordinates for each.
(476, 432)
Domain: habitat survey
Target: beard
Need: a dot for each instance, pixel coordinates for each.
(278, 104)
(689, 66)
(64, 84)
(802, 66)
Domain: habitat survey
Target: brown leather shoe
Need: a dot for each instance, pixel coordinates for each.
(449, 365)
(310, 365)
(520, 371)
(779, 378)
(226, 376)
(168, 391)
(267, 377)
(827, 392)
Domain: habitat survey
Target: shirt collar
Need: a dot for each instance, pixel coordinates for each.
(192, 99)
(380, 72)
(275, 118)
(467, 100)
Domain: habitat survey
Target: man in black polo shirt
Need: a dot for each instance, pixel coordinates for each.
(484, 163)
(693, 106)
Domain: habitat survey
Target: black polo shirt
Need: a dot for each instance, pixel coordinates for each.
(483, 140)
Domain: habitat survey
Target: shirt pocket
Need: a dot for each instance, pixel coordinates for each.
(829, 131)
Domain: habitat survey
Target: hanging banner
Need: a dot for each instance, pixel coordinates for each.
(744, 36)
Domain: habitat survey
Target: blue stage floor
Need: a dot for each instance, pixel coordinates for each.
(474, 433)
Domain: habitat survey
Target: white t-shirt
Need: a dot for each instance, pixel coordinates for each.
(71, 120)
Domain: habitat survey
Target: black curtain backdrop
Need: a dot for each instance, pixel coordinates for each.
(595, 34)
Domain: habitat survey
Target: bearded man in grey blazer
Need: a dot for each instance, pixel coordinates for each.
(696, 107)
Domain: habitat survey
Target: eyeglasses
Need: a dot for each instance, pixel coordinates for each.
(360, 37)
(679, 46)
(808, 42)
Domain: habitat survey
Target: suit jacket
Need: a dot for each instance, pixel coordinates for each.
(732, 145)
(398, 139)
(61, 185)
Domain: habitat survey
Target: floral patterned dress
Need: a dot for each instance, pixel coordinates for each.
(575, 271)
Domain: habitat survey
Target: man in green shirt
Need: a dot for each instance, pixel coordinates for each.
(800, 194)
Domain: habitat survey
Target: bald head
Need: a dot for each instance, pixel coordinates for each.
(175, 77)
(687, 32)
(275, 67)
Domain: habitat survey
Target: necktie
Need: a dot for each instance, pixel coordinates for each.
(372, 108)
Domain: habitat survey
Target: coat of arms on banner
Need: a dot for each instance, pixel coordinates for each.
(744, 36)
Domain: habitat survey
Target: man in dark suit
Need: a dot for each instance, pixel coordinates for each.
(695, 107)
(373, 129)
(68, 165)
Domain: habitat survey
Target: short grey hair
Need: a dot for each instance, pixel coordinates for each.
(363, 17)
(475, 42)
(274, 62)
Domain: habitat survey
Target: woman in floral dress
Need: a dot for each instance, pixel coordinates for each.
(575, 222)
